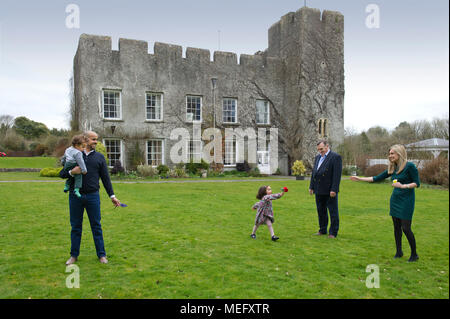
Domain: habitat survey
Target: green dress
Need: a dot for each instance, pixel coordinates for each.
(402, 200)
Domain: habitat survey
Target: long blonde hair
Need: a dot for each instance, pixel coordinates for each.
(402, 159)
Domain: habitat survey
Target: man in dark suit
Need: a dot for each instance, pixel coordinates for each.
(325, 180)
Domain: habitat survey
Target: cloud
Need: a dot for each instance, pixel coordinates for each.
(39, 100)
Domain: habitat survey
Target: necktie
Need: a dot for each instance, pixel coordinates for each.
(321, 161)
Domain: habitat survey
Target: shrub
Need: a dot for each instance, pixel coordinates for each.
(213, 173)
(50, 172)
(374, 170)
(254, 172)
(117, 168)
(162, 169)
(243, 167)
(32, 146)
(146, 171)
(361, 162)
(215, 169)
(102, 150)
(136, 156)
(50, 142)
(40, 149)
(177, 172)
(61, 144)
(13, 142)
(435, 172)
(195, 168)
(350, 169)
(298, 169)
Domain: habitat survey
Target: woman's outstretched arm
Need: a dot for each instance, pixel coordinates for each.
(361, 179)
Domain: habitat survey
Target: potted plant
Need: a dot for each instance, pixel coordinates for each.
(298, 170)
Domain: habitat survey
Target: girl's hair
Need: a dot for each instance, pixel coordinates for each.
(78, 140)
(262, 192)
(402, 158)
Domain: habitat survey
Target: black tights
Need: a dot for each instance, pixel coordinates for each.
(403, 225)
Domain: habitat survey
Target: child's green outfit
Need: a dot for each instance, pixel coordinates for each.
(71, 158)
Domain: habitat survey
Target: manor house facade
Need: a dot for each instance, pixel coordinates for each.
(293, 91)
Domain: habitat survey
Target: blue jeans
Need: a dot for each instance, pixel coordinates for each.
(90, 202)
(325, 204)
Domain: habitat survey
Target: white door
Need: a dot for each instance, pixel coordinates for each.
(263, 162)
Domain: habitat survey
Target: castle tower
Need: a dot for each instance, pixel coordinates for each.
(312, 46)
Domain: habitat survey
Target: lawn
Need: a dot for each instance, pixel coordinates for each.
(191, 240)
(27, 162)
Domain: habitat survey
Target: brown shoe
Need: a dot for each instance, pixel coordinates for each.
(331, 236)
(71, 260)
(319, 234)
(103, 260)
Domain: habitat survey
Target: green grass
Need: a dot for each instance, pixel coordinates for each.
(25, 176)
(191, 240)
(27, 162)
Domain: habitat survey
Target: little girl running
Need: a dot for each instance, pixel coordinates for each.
(264, 209)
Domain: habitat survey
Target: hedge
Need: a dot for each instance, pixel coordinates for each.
(50, 172)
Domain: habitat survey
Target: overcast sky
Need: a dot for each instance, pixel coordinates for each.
(395, 72)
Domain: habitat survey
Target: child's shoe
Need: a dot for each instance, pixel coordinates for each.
(253, 236)
(275, 238)
(66, 188)
(76, 191)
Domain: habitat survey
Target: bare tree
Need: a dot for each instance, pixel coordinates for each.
(440, 127)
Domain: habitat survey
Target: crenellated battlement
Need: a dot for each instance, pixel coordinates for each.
(96, 44)
(307, 16)
(294, 25)
(198, 55)
(290, 26)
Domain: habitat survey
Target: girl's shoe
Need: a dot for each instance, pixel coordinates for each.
(275, 238)
(253, 236)
(413, 258)
(76, 191)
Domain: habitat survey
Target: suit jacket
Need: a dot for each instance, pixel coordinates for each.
(328, 177)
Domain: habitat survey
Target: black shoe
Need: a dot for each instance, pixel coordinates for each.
(275, 238)
(413, 258)
(398, 255)
(253, 236)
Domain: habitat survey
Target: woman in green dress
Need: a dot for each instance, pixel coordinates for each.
(405, 178)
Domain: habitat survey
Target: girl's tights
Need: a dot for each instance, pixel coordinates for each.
(269, 225)
(403, 225)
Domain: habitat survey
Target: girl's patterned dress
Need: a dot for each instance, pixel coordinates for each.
(265, 210)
